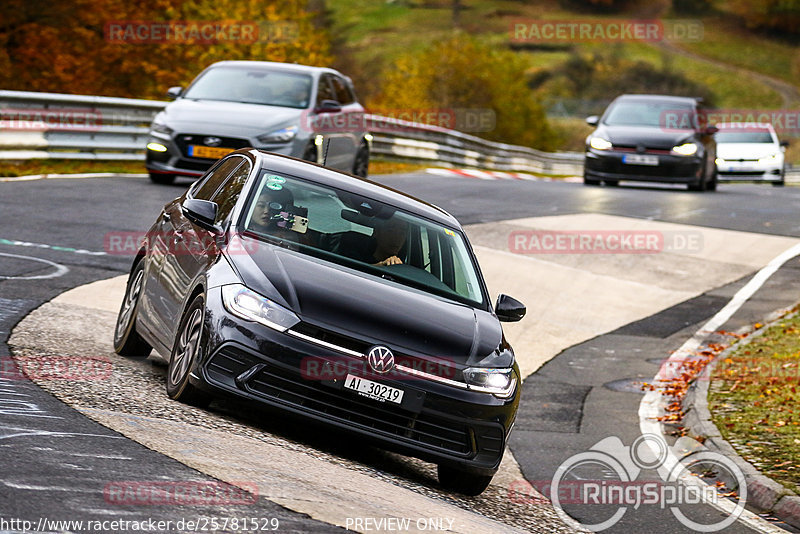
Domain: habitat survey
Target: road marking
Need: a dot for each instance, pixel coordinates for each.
(16, 243)
(34, 177)
(653, 402)
(61, 270)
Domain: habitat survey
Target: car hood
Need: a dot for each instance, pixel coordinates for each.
(736, 151)
(648, 137)
(189, 115)
(371, 309)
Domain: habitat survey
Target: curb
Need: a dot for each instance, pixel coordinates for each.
(764, 494)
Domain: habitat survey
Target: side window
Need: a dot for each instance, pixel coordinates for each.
(325, 91)
(343, 94)
(217, 177)
(227, 196)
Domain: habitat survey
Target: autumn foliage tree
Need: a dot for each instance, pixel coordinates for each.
(64, 46)
(462, 73)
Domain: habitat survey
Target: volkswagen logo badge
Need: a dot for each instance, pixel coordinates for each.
(212, 141)
(380, 359)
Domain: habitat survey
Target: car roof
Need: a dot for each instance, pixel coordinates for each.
(347, 182)
(275, 65)
(659, 98)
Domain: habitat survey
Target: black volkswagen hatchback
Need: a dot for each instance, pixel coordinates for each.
(333, 298)
(652, 138)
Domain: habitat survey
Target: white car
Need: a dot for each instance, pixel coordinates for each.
(749, 151)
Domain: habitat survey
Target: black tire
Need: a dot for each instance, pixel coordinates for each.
(311, 153)
(589, 181)
(460, 481)
(361, 163)
(611, 183)
(185, 350)
(711, 185)
(162, 179)
(778, 184)
(127, 341)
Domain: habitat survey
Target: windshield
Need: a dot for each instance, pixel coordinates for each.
(363, 234)
(748, 136)
(666, 115)
(253, 86)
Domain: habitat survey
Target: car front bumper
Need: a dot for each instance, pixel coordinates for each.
(609, 165)
(436, 422)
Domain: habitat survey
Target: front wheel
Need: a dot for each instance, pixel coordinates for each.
(589, 181)
(361, 164)
(185, 352)
(461, 481)
(127, 341)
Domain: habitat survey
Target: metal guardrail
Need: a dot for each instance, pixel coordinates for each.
(53, 125)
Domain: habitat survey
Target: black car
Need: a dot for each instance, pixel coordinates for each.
(334, 298)
(652, 138)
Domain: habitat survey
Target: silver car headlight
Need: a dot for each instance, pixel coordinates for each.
(284, 135)
(249, 305)
(499, 382)
(161, 128)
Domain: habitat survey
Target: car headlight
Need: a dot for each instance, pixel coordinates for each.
(284, 135)
(719, 161)
(769, 159)
(249, 305)
(598, 143)
(686, 149)
(160, 127)
(499, 382)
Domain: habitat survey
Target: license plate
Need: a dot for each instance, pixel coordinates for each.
(209, 152)
(640, 159)
(373, 390)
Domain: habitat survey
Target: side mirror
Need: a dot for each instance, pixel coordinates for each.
(509, 309)
(201, 212)
(785, 144)
(329, 106)
(592, 120)
(710, 130)
(175, 92)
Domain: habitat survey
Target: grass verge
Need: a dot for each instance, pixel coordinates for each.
(754, 399)
(68, 166)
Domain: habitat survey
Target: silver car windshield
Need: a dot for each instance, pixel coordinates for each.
(363, 234)
(253, 86)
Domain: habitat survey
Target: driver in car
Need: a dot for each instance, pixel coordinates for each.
(389, 237)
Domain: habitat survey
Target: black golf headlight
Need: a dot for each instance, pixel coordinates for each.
(249, 305)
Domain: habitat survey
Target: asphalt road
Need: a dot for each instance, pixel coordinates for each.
(67, 222)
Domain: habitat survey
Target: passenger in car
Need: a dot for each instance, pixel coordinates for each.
(272, 213)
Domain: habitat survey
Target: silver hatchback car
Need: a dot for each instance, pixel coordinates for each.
(310, 113)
